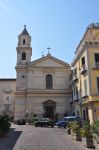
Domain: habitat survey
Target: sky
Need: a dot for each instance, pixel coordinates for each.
(58, 24)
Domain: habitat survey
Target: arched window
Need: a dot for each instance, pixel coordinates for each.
(23, 56)
(23, 41)
(49, 82)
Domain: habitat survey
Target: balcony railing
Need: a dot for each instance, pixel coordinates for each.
(71, 100)
(96, 65)
(6, 111)
(84, 94)
(76, 98)
(70, 82)
(83, 69)
(75, 78)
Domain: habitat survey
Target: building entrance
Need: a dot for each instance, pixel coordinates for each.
(49, 112)
(49, 108)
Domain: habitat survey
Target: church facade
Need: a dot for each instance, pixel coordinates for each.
(41, 85)
(49, 87)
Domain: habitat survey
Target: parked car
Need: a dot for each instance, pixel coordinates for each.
(44, 122)
(21, 122)
(64, 122)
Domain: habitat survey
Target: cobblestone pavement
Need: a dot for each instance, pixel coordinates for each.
(32, 138)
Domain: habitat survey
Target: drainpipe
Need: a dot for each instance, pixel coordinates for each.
(80, 94)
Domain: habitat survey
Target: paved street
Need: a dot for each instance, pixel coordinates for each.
(32, 138)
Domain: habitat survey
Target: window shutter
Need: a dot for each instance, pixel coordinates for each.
(98, 83)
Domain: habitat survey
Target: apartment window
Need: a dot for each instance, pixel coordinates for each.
(75, 71)
(7, 99)
(97, 57)
(85, 86)
(83, 61)
(77, 112)
(97, 60)
(7, 108)
(77, 91)
(87, 118)
(98, 84)
(71, 76)
(84, 115)
(74, 91)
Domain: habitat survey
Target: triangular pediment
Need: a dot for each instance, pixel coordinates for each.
(49, 61)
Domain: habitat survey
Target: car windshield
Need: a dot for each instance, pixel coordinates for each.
(72, 119)
(44, 119)
(69, 119)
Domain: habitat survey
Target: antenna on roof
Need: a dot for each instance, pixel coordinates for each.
(42, 54)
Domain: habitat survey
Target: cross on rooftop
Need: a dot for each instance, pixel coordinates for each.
(48, 50)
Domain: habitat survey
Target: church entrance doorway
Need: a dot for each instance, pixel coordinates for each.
(49, 112)
(49, 109)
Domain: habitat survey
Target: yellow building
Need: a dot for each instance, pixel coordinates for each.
(85, 76)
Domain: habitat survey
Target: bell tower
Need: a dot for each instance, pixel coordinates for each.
(24, 53)
(24, 50)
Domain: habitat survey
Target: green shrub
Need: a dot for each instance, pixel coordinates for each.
(85, 131)
(4, 123)
(95, 127)
(74, 126)
(34, 119)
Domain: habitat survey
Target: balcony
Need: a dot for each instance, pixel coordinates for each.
(83, 69)
(76, 98)
(71, 100)
(84, 94)
(75, 78)
(70, 82)
(96, 66)
(6, 112)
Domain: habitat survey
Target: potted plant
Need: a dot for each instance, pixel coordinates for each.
(75, 128)
(95, 130)
(68, 128)
(86, 134)
(27, 120)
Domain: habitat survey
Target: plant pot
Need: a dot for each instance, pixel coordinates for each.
(77, 136)
(68, 131)
(88, 142)
(2, 135)
(72, 133)
(96, 144)
(27, 123)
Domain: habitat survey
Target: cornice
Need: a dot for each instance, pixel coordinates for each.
(18, 93)
(32, 91)
(23, 48)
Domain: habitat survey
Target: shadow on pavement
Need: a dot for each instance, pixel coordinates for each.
(8, 142)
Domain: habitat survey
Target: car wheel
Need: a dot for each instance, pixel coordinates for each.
(36, 125)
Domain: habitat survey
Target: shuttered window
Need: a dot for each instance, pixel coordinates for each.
(98, 84)
(97, 57)
(83, 60)
(85, 86)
